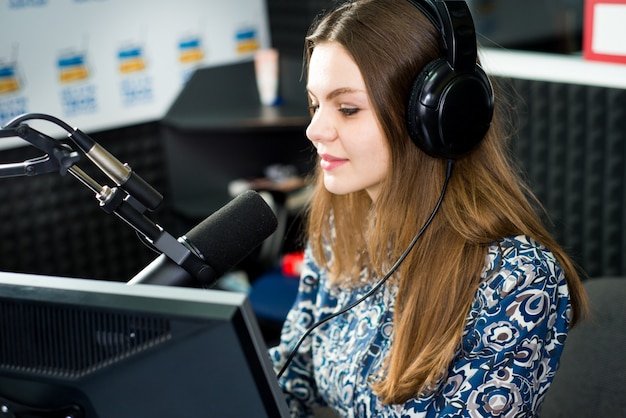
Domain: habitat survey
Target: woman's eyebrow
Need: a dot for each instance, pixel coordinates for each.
(338, 92)
(343, 90)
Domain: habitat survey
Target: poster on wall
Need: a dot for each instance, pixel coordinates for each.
(604, 34)
(102, 64)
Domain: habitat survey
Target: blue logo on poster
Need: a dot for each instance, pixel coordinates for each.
(78, 96)
(9, 82)
(190, 50)
(72, 68)
(135, 86)
(131, 60)
(247, 40)
(11, 103)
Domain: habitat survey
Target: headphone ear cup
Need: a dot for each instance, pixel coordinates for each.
(420, 124)
(448, 112)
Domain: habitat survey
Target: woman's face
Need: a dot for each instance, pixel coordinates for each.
(344, 129)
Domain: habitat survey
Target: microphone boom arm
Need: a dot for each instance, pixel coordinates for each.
(59, 157)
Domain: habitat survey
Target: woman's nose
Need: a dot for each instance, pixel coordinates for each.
(320, 128)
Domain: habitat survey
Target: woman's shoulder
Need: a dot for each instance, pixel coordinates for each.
(520, 263)
(519, 252)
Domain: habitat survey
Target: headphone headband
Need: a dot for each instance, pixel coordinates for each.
(451, 103)
(453, 20)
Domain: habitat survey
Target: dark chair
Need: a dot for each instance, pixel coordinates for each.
(591, 380)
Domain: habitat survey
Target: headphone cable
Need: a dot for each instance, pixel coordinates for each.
(380, 282)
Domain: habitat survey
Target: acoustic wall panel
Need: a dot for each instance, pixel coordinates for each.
(572, 146)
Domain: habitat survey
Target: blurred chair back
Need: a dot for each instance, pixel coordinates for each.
(591, 380)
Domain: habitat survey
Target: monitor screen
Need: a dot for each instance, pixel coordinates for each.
(97, 349)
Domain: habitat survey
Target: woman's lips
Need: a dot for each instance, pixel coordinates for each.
(329, 162)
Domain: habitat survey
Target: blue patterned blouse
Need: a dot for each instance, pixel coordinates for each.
(510, 350)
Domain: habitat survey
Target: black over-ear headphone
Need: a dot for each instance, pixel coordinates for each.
(450, 105)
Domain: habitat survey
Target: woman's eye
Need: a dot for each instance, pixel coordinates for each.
(349, 111)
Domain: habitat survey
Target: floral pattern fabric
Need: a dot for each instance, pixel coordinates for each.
(511, 346)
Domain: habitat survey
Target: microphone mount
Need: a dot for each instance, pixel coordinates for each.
(129, 199)
(59, 157)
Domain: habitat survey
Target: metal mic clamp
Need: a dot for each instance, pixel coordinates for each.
(120, 173)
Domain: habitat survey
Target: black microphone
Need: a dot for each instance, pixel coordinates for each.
(222, 240)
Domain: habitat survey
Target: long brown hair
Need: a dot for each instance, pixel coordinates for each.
(390, 41)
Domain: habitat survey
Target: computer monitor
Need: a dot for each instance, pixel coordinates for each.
(96, 349)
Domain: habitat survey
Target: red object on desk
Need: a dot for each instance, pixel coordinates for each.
(292, 264)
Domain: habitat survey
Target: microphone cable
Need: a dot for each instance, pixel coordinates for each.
(40, 116)
(380, 282)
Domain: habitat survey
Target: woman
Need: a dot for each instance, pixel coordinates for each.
(473, 320)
